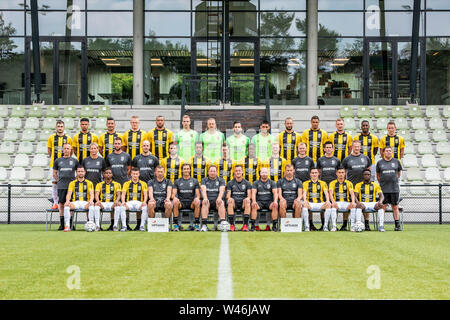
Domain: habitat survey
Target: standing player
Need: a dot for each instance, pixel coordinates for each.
(225, 165)
(213, 194)
(145, 162)
(369, 144)
(64, 169)
(172, 164)
(290, 193)
(160, 138)
(264, 196)
(186, 139)
(342, 198)
(94, 165)
(314, 139)
(107, 197)
(289, 140)
(238, 143)
(80, 196)
(366, 195)
(186, 195)
(134, 197)
(251, 164)
(315, 197)
(55, 145)
(238, 197)
(302, 163)
(133, 138)
(106, 140)
(275, 163)
(389, 170)
(328, 164)
(341, 140)
(397, 143)
(120, 162)
(263, 141)
(355, 163)
(159, 193)
(212, 140)
(199, 164)
(82, 140)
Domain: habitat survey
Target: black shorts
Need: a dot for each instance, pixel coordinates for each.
(264, 204)
(62, 193)
(290, 204)
(159, 205)
(391, 198)
(186, 204)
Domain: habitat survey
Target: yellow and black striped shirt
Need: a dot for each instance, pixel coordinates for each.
(367, 192)
(315, 191)
(341, 144)
(81, 190)
(341, 191)
(134, 191)
(133, 140)
(396, 142)
(225, 169)
(106, 142)
(160, 140)
(82, 141)
(251, 168)
(276, 167)
(288, 144)
(368, 144)
(314, 140)
(199, 167)
(56, 143)
(108, 191)
(172, 167)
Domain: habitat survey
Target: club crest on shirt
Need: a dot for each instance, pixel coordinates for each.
(393, 165)
(98, 163)
(362, 160)
(333, 162)
(217, 183)
(191, 184)
(163, 185)
(307, 162)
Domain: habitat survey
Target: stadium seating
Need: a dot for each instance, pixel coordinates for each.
(424, 148)
(418, 123)
(49, 123)
(364, 113)
(32, 123)
(349, 124)
(14, 123)
(401, 124)
(382, 123)
(5, 160)
(410, 160)
(405, 134)
(41, 147)
(444, 161)
(25, 147)
(7, 147)
(4, 111)
(87, 112)
(104, 112)
(439, 135)
(398, 112)
(17, 111)
(345, 112)
(52, 112)
(432, 111)
(380, 112)
(3, 175)
(69, 123)
(40, 160)
(70, 112)
(2, 123)
(17, 174)
(415, 112)
(35, 111)
(435, 123)
(443, 147)
(100, 124)
(21, 160)
(410, 149)
(421, 135)
(447, 174)
(429, 161)
(29, 135)
(43, 136)
(446, 112)
(11, 135)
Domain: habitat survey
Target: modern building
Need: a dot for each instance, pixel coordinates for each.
(328, 52)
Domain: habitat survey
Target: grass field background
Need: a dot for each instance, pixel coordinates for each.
(413, 264)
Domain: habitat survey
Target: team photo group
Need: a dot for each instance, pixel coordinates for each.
(291, 173)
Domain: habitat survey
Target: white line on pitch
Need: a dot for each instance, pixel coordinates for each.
(225, 283)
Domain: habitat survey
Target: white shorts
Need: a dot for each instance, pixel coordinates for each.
(370, 206)
(134, 205)
(342, 205)
(80, 205)
(316, 206)
(107, 205)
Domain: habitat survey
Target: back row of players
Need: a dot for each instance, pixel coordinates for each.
(145, 151)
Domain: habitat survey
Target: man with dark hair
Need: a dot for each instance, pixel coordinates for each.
(341, 140)
(186, 139)
(82, 140)
(314, 139)
(328, 164)
(369, 144)
(133, 138)
(172, 164)
(302, 163)
(199, 163)
(134, 197)
(159, 193)
(263, 141)
(107, 197)
(251, 164)
(225, 165)
(120, 162)
(289, 140)
(238, 197)
(106, 140)
(160, 138)
(213, 194)
(396, 142)
(342, 198)
(238, 143)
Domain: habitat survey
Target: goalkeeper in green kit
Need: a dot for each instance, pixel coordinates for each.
(263, 142)
(212, 140)
(238, 143)
(186, 139)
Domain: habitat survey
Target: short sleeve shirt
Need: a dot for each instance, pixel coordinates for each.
(355, 166)
(388, 171)
(212, 187)
(289, 188)
(119, 164)
(160, 188)
(239, 190)
(66, 171)
(186, 188)
(264, 190)
(302, 167)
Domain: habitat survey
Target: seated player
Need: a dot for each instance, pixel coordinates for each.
(80, 196)
(342, 198)
(366, 194)
(239, 192)
(186, 195)
(159, 193)
(213, 193)
(134, 197)
(290, 193)
(315, 197)
(107, 197)
(264, 196)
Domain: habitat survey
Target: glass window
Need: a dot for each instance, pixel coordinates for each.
(110, 24)
(340, 23)
(284, 61)
(438, 5)
(59, 23)
(243, 24)
(340, 71)
(393, 4)
(58, 4)
(11, 23)
(110, 4)
(167, 5)
(12, 68)
(279, 24)
(438, 71)
(438, 23)
(340, 5)
(396, 24)
(283, 5)
(11, 4)
(167, 24)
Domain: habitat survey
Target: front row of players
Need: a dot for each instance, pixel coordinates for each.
(289, 193)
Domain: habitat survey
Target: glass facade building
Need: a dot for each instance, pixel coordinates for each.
(87, 49)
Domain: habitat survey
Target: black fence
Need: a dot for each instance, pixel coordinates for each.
(28, 204)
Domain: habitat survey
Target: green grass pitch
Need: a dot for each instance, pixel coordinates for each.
(413, 264)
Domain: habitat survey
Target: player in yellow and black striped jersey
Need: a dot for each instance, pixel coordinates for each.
(369, 144)
(342, 197)
(392, 139)
(275, 164)
(134, 197)
(133, 138)
(314, 139)
(106, 140)
(341, 140)
(289, 140)
(199, 164)
(225, 165)
(82, 141)
(160, 138)
(315, 198)
(172, 164)
(251, 165)
(107, 197)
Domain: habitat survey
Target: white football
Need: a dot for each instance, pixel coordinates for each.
(359, 226)
(90, 226)
(224, 226)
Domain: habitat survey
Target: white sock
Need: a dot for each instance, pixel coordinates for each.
(333, 217)
(67, 216)
(305, 217)
(55, 194)
(123, 217)
(352, 216)
(97, 216)
(91, 214)
(381, 217)
(116, 216)
(144, 217)
(327, 218)
(358, 215)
